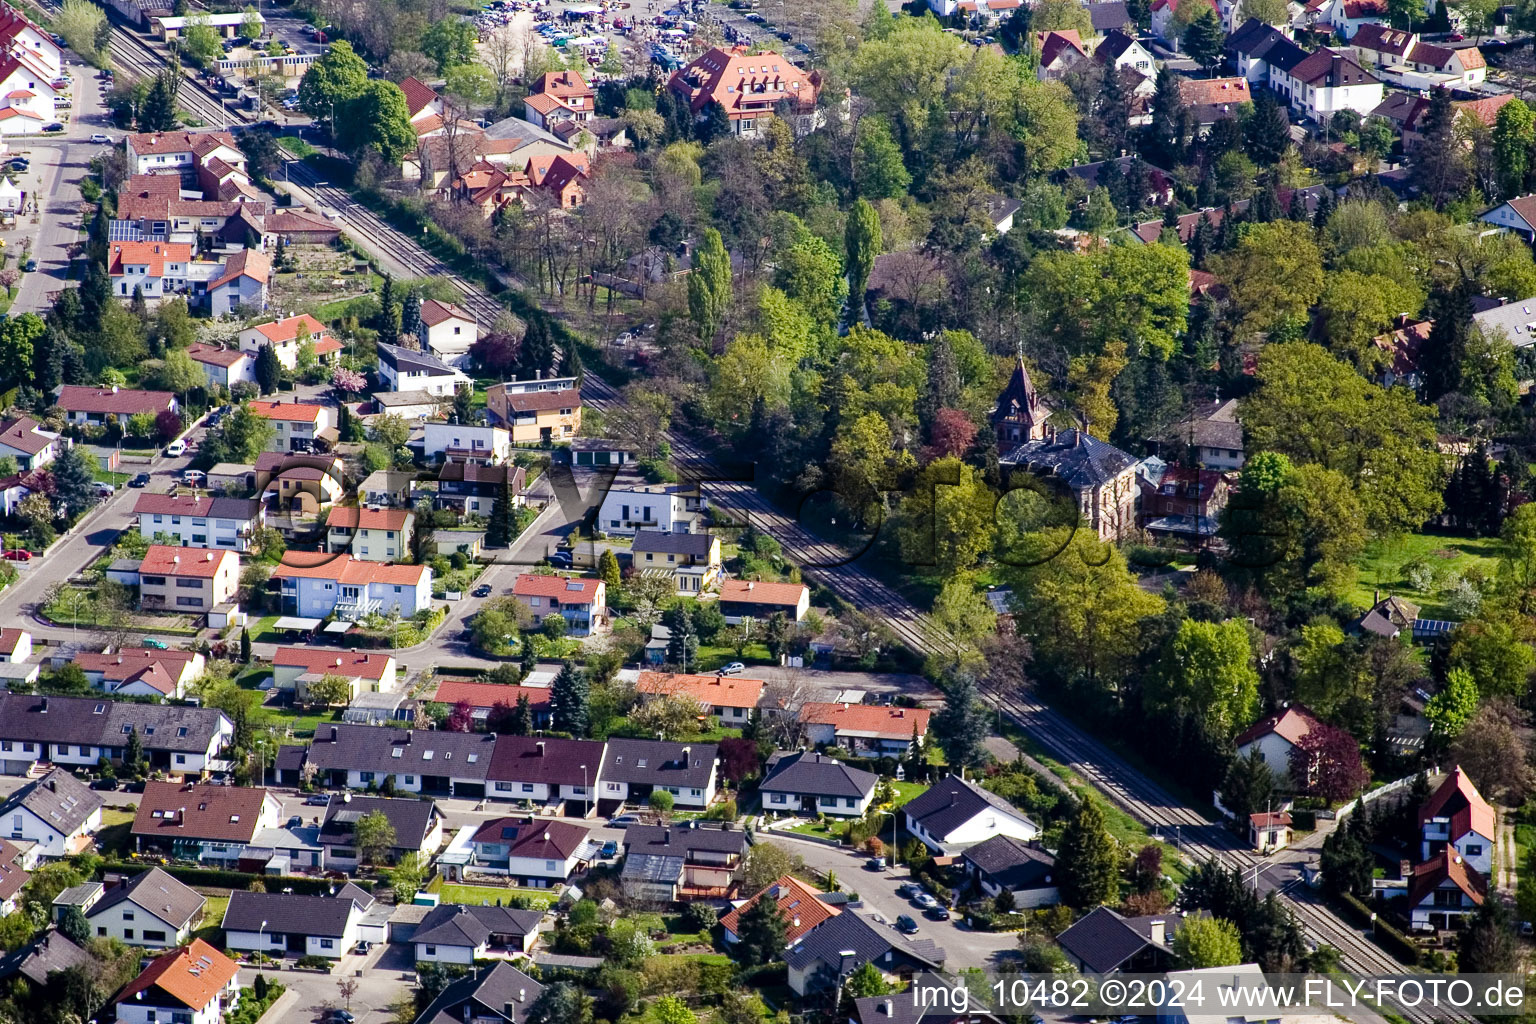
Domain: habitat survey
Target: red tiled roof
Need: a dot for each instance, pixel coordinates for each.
(434, 313)
(194, 974)
(1447, 866)
(563, 84)
(172, 810)
(350, 664)
(245, 263)
(418, 95)
(298, 411)
(746, 86)
(123, 665)
(288, 328)
(542, 401)
(757, 592)
(10, 636)
(12, 875)
(153, 255)
(1206, 92)
(1459, 800)
(214, 355)
(1270, 819)
(1052, 46)
(199, 143)
(80, 398)
(538, 840)
(710, 691)
(885, 722)
(200, 563)
(799, 907)
(1291, 725)
(488, 695)
(318, 565)
(351, 518)
(568, 589)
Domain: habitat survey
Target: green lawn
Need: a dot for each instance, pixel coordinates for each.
(478, 894)
(108, 477)
(906, 791)
(711, 657)
(113, 836)
(832, 828)
(1381, 568)
(296, 147)
(213, 914)
(292, 724)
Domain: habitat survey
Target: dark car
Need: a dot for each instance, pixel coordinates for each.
(610, 849)
(939, 913)
(295, 821)
(784, 36)
(339, 1017)
(104, 784)
(906, 925)
(30, 265)
(483, 590)
(560, 559)
(317, 800)
(56, 126)
(908, 889)
(136, 786)
(142, 480)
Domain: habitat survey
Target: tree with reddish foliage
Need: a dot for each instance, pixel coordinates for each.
(1326, 763)
(40, 481)
(461, 718)
(738, 759)
(951, 434)
(496, 352)
(167, 425)
(1146, 871)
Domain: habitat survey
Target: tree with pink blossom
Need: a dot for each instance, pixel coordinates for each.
(350, 381)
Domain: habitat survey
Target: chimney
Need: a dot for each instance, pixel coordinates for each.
(1159, 932)
(666, 836)
(540, 746)
(44, 710)
(114, 389)
(887, 1008)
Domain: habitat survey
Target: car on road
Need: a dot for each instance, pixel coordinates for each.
(56, 126)
(142, 480)
(483, 590)
(925, 900)
(193, 476)
(107, 784)
(104, 490)
(317, 800)
(176, 447)
(875, 864)
(936, 913)
(610, 849)
(906, 925)
(295, 821)
(159, 645)
(30, 265)
(907, 890)
(19, 555)
(101, 140)
(734, 668)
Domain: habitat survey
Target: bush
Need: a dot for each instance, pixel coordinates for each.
(1387, 937)
(1304, 821)
(311, 962)
(699, 917)
(253, 1006)
(213, 878)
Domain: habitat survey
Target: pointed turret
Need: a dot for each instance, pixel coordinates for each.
(1020, 415)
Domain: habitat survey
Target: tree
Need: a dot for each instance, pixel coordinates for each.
(709, 286)
(330, 690)
(1204, 40)
(133, 753)
(568, 700)
(961, 726)
(1248, 786)
(767, 862)
(200, 40)
(1274, 271)
(1489, 945)
(80, 22)
(608, 568)
(373, 836)
(760, 933)
(1452, 708)
(1138, 295)
(946, 519)
(667, 717)
(501, 528)
(1266, 130)
(74, 926)
(1206, 942)
(1439, 164)
(377, 119)
(1206, 674)
(74, 481)
(1495, 650)
(661, 802)
(410, 316)
(561, 1003)
(1326, 763)
(1086, 865)
(332, 82)
(1492, 752)
(158, 111)
(862, 243)
(269, 369)
(348, 381)
(448, 42)
(683, 647)
(878, 169)
(1514, 133)
(867, 982)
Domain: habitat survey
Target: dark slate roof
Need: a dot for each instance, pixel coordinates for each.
(489, 993)
(676, 840)
(243, 509)
(652, 762)
(1259, 41)
(1081, 460)
(105, 723)
(158, 893)
(953, 801)
(667, 543)
(404, 359)
(50, 952)
(893, 1009)
(290, 758)
(371, 748)
(58, 799)
(286, 912)
(454, 924)
(803, 772)
(1108, 15)
(1104, 939)
(848, 931)
(553, 762)
(1114, 42)
(412, 819)
(1012, 863)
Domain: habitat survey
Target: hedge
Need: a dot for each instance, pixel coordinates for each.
(1387, 937)
(214, 878)
(1304, 821)
(250, 1009)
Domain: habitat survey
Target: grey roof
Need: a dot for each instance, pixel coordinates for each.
(667, 543)
(953, 801)
(243, 509)
(388, 479)
(1217, 429)
(290, 758)
(584, 963)
(395, 399)
(58, 799)
(1109, 15)
(1259, 41)
(406, 359)
(677, 840)
(490, 993)
(652, 762)
(288, 913)
(517, 128)
(411, 819)
(1078, 458)
(159, 894)
(812, 774)
(1104, 939)
(893, 1009)
(77, 895)
(1012, 863)
(49, 952)
(453, 924)
(105, 723)
(848, 931)
(370, 748)
(1516, 319)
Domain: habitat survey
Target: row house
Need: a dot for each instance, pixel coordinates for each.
(536, 411)
(200, 521)
(287, 336)
(418, 760)
(78, 732)
(546, 772)
(316, 585)
(152, 269)
(285, 923)
(192, 581)
(370, 534)
(299, 426)
(417, 825)
(1408, 61)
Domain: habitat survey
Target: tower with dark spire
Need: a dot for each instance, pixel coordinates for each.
(1020, 415)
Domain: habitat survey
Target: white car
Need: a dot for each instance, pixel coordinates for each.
(101, 139)
(194, 476)
(176, 447)
(735, 668)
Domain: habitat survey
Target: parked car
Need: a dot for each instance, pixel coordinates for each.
(925, 900)
(101, 140)
(142, 480)
(908, 889)
(19, 555)
(194, 476)
(104, 490)
(56, 126)
(936, 913)
(610, 849)
(317, 800)
(176, 447)
(295, 821)
(560, 559)
(159, 645)
(906, 925)
(30, 265)
(339, 1016)
(107, 784)
(875, 864)
(734, 668)
(625, 819)
(483, 590)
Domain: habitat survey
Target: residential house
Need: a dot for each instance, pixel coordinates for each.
(1109, 17)
(691, 559)
(1179, 503)
(1100, 478)
(77, 732)
(423, 105)
(1457, 817)
(151, 269)
(184, 152)
(1349, 17)
(142, 671)
(500, 995)
(547, 772)
(417, 824)
(196, 984)
(202, 821)
(453, 933)
(1407, 110)
(800, 908)
(199, 521)
(1443, 891)
(955, 813)
(559, 96)
(402, 369)
(187, 580)
(1168, 28)
(57, 813)
(483, 698)
(48, 953)
(1019, 415)
(387, 487)
(1407, 61)
(751, 88)
(534, 853)
(581, 602)
(826, 955)
(1107, 942)
(1389, 617)
(877, 730)
(30, 72)
(15, 645)
(151, 909)
(306, 483)
(297, 668)
(666, 863)
(224, 367)
(731, 699)
(1016, 866)
(1061, 53)
(536, 412)
(279, 922)
(448, 332)
(1269, 831)
(1316, 85)
(1519, 216)
(29, 444)
(1275, 736)
(14, 874)
(315, 584)
(472, 489)
(481, 443)
(634, 769)
(1213, 436)
(287, 336)
(1516, 320)
(754, 599)
(419, 760)
(82, 404)
(805, 783)
(370, 534)
(1209, 100)
(669, 508)
(1401, 350)
(299, 426)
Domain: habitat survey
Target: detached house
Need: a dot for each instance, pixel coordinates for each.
(93, 406)
(1061, 52)
(1004, 863)
(316, 584)
(25, 441)
(666, 863)
(800, 907)
(278, 922)
(532, 853)
(1443, 890)
(15, 645)
(184, 152)
(668, 508)
(202, 821)
(194, 985)
(1316, 85)
(1107, 942)
(754, 599)
(751, 88)
(458, 934)
(581, 602)
(499, 995)
(418, 826)
(58, 813)
(151, 909)
(153, 269)
(826, 955)
(224, 367)
(370, 534)
(471, 489)
(878, 730)
(287, 336)
(559, 96)
(536, 411)
(448, 331)
(300, 426)
(241, 284)
(692, 559)
(807, 783)
(189, 580)
(479, 443)
(1457, 817)
(297, 668)
(1275, 736)
(142, 671)
(955, 814)
(401, 369)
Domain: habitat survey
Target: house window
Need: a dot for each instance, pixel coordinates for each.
(776, 798)
(1474, 849)
(549, 865)
(153, 936)
(327, 944)
(128, 916)
(431, 951)
(127, 933)
(527, 787)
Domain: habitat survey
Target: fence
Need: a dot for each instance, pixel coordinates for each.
(1387, 789)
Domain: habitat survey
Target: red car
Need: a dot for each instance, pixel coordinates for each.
(19, 555)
